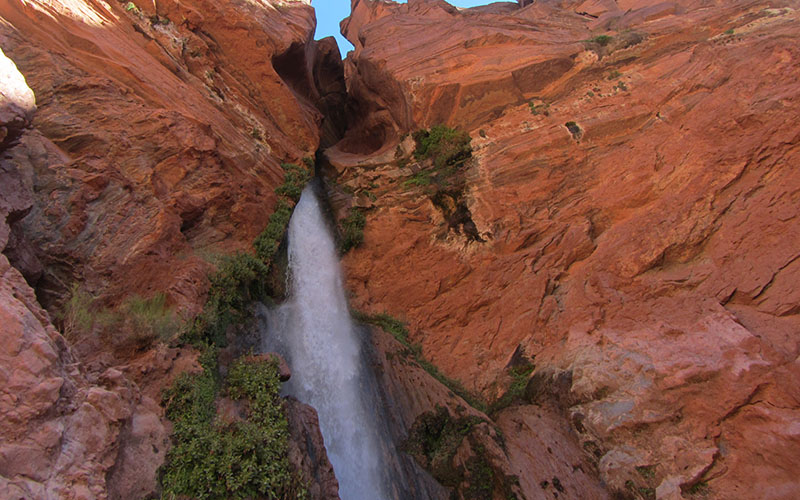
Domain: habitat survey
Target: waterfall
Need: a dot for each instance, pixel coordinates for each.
(314, 332)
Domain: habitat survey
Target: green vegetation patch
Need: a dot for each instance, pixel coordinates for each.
(156, 20)
(516, 390)
(647, 471)
(238, 281)
(240, 278)
(601, 40)
(134, 324)
(294, 181)
(150, 319)
(539, 109)
(387, 323)
(574, 129)
(700, 489)
(267, 243)
(645, 492)
(352, 229)
(421, 178)
(442, 151)
(434, 440)
(75, 317)
(445, 146)
(214, 459)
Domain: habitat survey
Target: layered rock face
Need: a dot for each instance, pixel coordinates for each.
(519, 455)
(61, 427)
(138, 139)
(634, 197)
(159, 134)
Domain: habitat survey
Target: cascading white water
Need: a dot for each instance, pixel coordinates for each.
(314, 331)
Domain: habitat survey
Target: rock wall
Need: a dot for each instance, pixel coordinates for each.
(519, 452)
(633, 183)
(159, 134)
(156, 142)
(632, 201)
(61, 427)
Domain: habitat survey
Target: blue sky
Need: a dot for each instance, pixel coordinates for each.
(330, 12)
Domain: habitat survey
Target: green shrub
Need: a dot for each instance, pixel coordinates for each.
(601, 40)
(147, 320)
(136, 323)
(353, 229)
(443, 152)
(421, 178)
(614, 75)
(243, 459)
(445, 146)
(156, 20)
(516, 390)
(539, 109)
(390, 325)
(294, 181)
(574, 129)
(76, 318)
(647, 471)
(238, 281)
(700, 489)
(433, 441)
(267, 243)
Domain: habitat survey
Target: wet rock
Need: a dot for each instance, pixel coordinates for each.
(307, 451)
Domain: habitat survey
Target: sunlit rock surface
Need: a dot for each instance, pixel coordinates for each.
(138, 140)
(651, 256)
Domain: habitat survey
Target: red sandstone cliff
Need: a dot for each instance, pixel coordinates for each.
(159, 133)
(156, 141)
(648, 261)
(648, 258)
